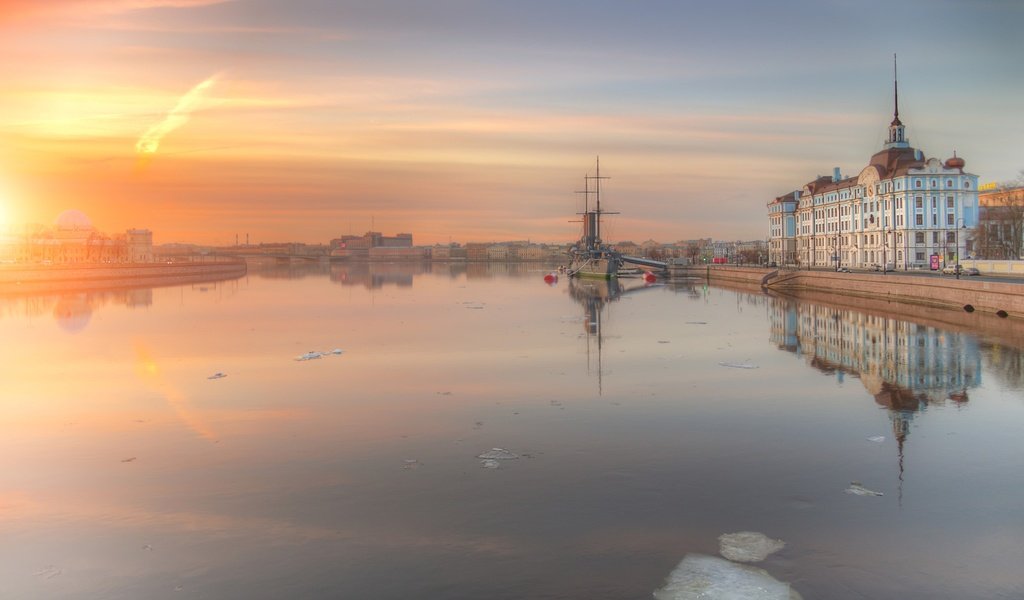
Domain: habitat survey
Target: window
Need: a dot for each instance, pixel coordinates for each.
(949, 183)
(917, 183)
(949, 219)
(935, 237)
(967, 185)
(950, 237)
(919, 202)
(920, 257)
(919, 220)
(949, 202)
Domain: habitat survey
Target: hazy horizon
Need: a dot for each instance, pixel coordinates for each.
(476, 122)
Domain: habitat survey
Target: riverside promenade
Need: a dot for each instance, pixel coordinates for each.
(1004, 297)
(38, 278)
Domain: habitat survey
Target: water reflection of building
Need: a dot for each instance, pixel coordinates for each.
(73, 311)
(932, 362)
(905, 366)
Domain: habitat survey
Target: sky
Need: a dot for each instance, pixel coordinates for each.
(461, 120)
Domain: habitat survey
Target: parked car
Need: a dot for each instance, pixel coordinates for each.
(970, 271)
(888, 267)
(843, 269)
(952, 269)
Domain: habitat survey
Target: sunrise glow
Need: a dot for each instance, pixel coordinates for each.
(204, 120)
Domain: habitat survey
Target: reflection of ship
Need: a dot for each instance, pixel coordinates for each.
(595, 295)
(590, 256)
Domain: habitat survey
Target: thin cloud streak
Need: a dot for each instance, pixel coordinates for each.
(178, 116)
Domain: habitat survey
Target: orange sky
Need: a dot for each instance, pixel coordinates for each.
(207, 119)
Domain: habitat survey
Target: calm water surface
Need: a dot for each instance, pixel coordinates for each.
(649, 421)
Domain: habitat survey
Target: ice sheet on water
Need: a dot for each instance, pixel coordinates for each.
(316, 354)
(878, 439)
(732, 365)
(859, 490)
(498, 454)
(748, 546)
(490, 463)
(713, 578)
(49, 571)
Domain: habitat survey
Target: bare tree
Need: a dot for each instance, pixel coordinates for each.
(1000, 233)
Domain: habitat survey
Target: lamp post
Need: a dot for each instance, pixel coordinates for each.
(961, 225)
(885, 245)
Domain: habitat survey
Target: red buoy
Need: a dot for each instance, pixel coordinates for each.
(550, 278)
(649, 277)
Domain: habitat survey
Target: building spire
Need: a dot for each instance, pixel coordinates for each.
(897, 134)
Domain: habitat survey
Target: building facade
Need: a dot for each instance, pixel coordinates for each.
(902, 211)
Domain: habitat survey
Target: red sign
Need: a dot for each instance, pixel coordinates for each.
(935, 262)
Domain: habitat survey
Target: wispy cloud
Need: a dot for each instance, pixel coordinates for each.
(178, 116)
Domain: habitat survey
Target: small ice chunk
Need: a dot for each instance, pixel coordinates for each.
(490, 463)
(411, 463)
(733, 365)
(311, 355)
(337, 351)
(129, 459)
(701, 576)
(498, 454)
(878, 439)
(859, 490)
(748, 546)
(218, 375)
(148, 547)
(49, 571)
(696, 322)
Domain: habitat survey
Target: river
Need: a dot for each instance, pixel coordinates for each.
(647, 420)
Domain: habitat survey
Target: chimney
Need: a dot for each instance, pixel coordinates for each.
(835, 174)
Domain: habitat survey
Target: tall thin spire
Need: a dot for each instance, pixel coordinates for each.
(895, 93)
(897, 133)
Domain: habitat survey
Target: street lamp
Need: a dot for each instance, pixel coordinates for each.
(885, 245)
(962, 225)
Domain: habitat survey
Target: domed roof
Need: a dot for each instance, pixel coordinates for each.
(955, 163)
(73, 220)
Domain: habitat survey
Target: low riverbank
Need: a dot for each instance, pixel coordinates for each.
(40, 278)
(1003, 298)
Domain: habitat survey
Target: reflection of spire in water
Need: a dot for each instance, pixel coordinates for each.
(905, 365)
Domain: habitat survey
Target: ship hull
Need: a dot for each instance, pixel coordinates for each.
(597, 268)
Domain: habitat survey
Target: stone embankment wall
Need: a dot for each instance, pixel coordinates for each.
(1005, 298)
(14, 278)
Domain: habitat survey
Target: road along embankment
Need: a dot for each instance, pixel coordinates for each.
(1002, 298)
(20, 279)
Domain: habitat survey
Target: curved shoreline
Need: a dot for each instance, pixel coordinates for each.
(1003, 298)
(19, 279)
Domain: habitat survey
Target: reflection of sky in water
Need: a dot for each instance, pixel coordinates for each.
(286, 478)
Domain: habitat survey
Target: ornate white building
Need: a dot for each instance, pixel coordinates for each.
(903, 211)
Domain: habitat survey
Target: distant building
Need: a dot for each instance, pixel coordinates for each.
(902, 210)
(1000, 232)
(72, 239)
(352, 246)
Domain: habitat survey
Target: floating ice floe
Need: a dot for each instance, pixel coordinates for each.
(713, 578)
(218, 375)
(130, 459)
(696, 322)
(315, 354)
(733, 365)
(748, 546)
(498, 454)
(49, 571)
(859, 490)
(411, 463)
(878, 439)
(490, 463)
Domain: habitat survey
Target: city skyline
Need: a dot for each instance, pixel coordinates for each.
(307, 120)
